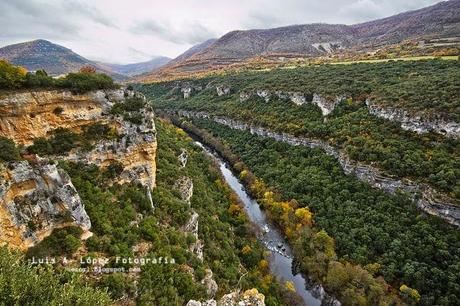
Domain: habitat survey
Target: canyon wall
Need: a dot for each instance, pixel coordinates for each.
(410, 120)
(37, 196)
(424, 196)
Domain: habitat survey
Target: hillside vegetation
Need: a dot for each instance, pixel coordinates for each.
(123, 220)
(15, 77)
(431, 87)
(383, 233)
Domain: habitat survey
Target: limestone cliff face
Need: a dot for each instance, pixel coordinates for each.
(135, 150)
(37, 196)
(28, 115)
(415, 122)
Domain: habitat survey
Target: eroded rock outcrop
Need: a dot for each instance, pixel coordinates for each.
(326, 105)
(415, 122)
(183, 158)
(424, 196)
(188, 89)
(297, 98)
(35, 198)
(192, 227)
(210, 284)
(222, 90)
(185, 187)
(135, 150)
(251, 297)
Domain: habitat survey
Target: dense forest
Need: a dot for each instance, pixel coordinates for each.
(123, 221)
(429, 158)
(384, 233)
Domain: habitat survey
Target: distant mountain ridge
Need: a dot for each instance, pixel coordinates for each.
(137, 68)
(437, 21)
(58, 60)
(53, 58)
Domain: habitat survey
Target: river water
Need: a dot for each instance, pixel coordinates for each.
(281, 259)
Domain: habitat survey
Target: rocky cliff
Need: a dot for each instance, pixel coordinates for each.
(37, 196)
(418, 123)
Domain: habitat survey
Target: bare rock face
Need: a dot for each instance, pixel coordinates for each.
(183, 157)
(222, 90)
(34, 199)
(37, 197)
(250, 297)
(244, 96)
(326, 105)
(185, 187)
(210, 284)
(192, 227)
(415, 122)
(135, 150)
(192, 224)
(187, 91)
(28, 115)
(264, 94)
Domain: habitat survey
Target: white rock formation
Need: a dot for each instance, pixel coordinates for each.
(35, 198)
(415, 122)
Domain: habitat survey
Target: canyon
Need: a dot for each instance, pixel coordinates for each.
(425, 197)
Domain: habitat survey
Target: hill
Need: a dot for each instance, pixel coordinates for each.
(55, 59)
(137, 68)
(437, 22)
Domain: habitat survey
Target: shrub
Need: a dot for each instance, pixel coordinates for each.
(38, 79)
(83, 82)
(8, 150)
(24, 284)
(41, 146)
(11, 76)
(62, 241)
(64, 140)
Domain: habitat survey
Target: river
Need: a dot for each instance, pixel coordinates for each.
(281, 260)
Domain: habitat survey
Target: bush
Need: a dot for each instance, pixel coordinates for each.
(11, 77)
(24, 284)
(63, 141)
(41, 147)
(62, 241)
(38, 79)
(82, 82)
(8, 150)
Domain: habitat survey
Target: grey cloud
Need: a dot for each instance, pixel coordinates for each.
(290, 12)
(191, 33)
(32, 19)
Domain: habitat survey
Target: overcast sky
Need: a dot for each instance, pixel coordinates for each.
(124, 31)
